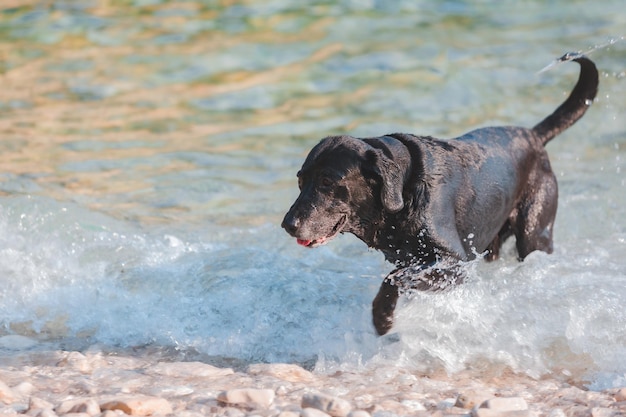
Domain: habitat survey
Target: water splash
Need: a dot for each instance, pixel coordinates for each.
(573, 55)
(69, 273)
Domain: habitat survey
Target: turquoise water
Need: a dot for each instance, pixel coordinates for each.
(149, 152)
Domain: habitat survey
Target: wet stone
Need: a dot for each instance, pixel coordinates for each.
(471, 399)
(138, 406)
(7, 395)
(87, 406)
(233, 412)
(289, 414)
(82, 363)
(359, 413)
(255, 398)
(333, 406)
(313, 412)
(493, 412)
(189, 369)
(284, 371)
(502, 407)
(24, 389)
(39, 404)
(112, 413)
(604, 412)
(505, 404)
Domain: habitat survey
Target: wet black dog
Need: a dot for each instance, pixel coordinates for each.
(429, 204)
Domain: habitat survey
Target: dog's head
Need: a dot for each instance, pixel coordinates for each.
(345, 185)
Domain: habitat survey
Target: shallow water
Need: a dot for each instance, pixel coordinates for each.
(149, 151)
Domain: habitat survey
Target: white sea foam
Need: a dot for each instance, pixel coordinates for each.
(251, 295)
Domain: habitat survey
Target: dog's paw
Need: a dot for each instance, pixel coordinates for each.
(383, 307)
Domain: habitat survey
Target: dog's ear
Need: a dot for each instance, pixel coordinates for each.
(392, 177)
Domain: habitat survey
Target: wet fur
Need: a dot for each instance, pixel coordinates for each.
(429, 204)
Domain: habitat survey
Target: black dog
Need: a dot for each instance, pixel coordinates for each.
(430, 204)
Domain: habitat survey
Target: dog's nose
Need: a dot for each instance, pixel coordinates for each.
(291, 224)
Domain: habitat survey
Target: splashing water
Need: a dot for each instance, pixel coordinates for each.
(71, 273)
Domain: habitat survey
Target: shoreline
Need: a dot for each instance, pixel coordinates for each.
(99, 382)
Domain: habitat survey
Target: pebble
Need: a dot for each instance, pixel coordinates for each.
(189, 369)
(313, 412)
(38, 383)
(138, 406)
(502, 407)
(88, 406)
(289, 414)
(255, 398)
(6, 393)
(359, 413)
(284, 371)
(471, 399)
(505, 404)
(603, 412)
(333, 406)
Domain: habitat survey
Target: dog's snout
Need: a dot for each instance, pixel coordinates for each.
(291, 224)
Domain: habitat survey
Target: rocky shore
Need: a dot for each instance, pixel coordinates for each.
(95, 382)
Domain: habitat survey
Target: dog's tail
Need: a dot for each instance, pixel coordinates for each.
(576, 104)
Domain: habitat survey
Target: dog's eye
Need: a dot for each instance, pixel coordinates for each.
(326, 182)
(300, 183)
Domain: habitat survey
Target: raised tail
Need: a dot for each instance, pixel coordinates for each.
(576, 104)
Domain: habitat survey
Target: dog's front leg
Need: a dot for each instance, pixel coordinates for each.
(421, 278)
(384, 305)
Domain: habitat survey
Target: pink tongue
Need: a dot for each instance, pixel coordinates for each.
(303, 242)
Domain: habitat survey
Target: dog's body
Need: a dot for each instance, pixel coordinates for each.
(428, 204)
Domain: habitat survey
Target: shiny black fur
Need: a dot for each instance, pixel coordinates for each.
(429, 204)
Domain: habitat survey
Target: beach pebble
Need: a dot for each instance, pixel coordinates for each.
(87, 406)
(112, 413)
(604, 412)
(505, 404)
(313, 412)
(413, 405)
(233, 412)
(489, 412)
(81, 363)
(621, 395)
(39, 408)
(24, 389)
(289, 414)
(138, 406)
(359, 413)
(333, 406)
(502, 407)
(284, 371)
(189, 369)
(471, 399)
(363, 401)
(256, 398)
(7, 395)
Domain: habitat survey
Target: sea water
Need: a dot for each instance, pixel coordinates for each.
(149, 152)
